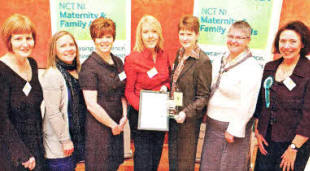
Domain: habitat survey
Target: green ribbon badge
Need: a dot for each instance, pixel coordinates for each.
(267, 84)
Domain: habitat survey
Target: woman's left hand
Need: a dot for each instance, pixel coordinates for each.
(30, 164)
(288, 159)
(180, 118)
(163, 88)
(228, 137)
(68, 148)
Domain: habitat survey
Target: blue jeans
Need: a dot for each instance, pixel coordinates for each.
(61, 164)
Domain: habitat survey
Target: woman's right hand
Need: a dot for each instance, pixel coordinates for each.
(261, 142)
(68, 148)
(116, 129)
(30, 164)
(180, 118)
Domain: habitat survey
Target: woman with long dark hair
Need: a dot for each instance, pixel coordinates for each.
(283, 108)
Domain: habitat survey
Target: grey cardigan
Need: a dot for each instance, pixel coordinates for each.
(55, 118)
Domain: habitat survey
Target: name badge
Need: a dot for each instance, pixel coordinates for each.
(289, 83)
(178, 98)
(152, 72)
(122, 76)
(172, 67)
(27, 88)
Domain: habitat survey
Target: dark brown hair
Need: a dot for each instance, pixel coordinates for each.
(301, 29)
(189, 22)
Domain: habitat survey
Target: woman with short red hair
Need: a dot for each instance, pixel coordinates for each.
(21, 137)
(103, 86)
(191, 76)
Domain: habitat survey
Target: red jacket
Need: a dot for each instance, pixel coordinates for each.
(136, 66)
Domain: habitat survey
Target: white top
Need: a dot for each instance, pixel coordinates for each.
(235, 99)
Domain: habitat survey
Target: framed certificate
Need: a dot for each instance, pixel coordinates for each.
(153, 111)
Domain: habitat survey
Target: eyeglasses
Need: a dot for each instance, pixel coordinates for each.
(239, 38)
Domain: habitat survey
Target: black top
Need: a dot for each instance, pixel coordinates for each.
(76, 112)
(101, 146)
(20, 119)
(289, 111)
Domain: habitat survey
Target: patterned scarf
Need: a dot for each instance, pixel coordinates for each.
(225, 67)
(77, 107)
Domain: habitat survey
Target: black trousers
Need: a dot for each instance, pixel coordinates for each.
(148, 145)
(275, 150)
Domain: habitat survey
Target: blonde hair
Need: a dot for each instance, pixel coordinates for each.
(16, 24)
(52, 53)
(243, 26)
(139, 46)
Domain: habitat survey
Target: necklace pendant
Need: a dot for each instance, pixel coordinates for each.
(27, 88)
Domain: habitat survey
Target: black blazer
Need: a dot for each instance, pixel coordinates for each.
(289, 110)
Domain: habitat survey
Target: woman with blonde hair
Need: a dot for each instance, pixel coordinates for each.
(236, 77)
(21, 140)
(147, 68)
(64, 119)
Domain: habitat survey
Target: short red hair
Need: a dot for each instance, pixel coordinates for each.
(190, 23)
(16, 24)
(102, 26)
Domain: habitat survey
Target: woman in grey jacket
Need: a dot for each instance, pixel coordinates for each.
(63, 123)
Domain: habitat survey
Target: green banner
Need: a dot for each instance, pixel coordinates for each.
(76, 16)
(216, 17)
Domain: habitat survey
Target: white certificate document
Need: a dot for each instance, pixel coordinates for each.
(153, 111)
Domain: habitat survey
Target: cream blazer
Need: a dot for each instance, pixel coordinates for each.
(55, 117)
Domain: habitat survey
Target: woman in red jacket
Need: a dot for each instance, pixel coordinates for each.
(147, 68)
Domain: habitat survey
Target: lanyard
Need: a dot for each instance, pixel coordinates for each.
(223, 70)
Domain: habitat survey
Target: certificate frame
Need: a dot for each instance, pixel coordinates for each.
(153, 111)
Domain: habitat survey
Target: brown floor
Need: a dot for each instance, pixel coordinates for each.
(128, 164)
(164, 163)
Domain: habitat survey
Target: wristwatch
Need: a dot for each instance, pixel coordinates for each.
(294, 147)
